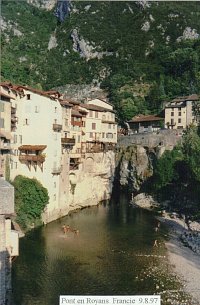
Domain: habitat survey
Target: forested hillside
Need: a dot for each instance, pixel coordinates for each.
(142, 53)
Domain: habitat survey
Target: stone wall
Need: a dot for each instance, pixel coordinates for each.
(163, 139)
(6, 207)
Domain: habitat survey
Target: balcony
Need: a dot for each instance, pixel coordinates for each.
(35, 158)
(57, 127)
(13, 110)
(56, 170)
(5, 146)
(67, 141)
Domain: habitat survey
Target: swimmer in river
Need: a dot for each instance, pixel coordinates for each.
(155, 243)
(76, 232)
(64, 229)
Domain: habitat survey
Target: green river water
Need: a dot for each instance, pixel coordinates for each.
(113, 255)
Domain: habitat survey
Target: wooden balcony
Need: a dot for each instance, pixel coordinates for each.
(57, 127)
(35, 158)
(67, 141)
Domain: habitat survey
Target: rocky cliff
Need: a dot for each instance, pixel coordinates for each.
(134, 167)
(94, 183)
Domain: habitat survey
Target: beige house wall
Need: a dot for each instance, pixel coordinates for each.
(178, 114)
(36, 117)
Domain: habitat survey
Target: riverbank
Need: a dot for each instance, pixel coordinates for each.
(182, 239)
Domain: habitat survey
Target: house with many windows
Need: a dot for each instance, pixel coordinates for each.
(36, 138)
(7, 121)
(49, 138)
(180, 112)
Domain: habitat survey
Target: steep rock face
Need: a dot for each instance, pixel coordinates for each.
(86, 186)
(134, 167)
(94, 183)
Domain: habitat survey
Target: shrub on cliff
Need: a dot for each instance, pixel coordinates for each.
(30, 200)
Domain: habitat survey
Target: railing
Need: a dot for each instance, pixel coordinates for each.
(68, 141)
(57, 127)
(56, 170)
(5, 146)
(38, 158)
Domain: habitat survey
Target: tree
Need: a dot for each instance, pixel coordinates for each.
(30, 200)
(165, 172)
(191, 151)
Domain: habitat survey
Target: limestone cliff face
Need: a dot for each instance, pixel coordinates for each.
(93, 182)
(134, 167)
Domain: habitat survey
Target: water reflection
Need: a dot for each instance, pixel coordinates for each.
(101, 260)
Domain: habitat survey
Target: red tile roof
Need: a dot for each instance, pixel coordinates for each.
(145, 118)
(65, 103)
(95, 108)
(76, 113)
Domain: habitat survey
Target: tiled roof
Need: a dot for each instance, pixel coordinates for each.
(181, 100)
(65, 103)
(32, 147)
(145, 118)
(76, 113)
(95, 108)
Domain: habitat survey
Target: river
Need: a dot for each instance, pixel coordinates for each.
(113, 255)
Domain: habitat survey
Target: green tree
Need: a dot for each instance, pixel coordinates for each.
(30, 200)
(165, 172)
(191, 150)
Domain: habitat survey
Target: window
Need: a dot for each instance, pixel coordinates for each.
(103, 134)
(90, 113)
(91, 134)
(172, 113)
(20, 139)
(109, 135)
(103, 117)
(96, 114)
(37, 109)
(179, 114)
(28, 96)
(1, 123)
(179, 120)
(15, 139)
(172, 121)
(1, 107)
(15, 164)
(26, 122)
(93, 126)
(179, 108)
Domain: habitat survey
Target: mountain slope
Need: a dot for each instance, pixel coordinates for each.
(142, 53)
